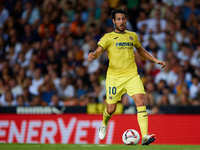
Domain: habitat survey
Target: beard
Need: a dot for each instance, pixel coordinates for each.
(121, 30)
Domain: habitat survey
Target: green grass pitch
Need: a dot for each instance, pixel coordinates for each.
(15, 146)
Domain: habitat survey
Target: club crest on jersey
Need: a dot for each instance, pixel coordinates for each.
(110, 97)
(131, 38)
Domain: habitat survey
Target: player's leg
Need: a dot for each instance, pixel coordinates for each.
(114, 90)
(141, 113)
(107, 114)
(135, 89)
(142, 117)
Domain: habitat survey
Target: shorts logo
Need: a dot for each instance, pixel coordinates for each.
(110, 97)
(131, 38)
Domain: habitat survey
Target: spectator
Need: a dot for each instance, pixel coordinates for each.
(4, 14)
(27, 96)
(30, 15)
(94, 65)
(46, 24)
(20, 77)
(195, 60)
(105, 22)
(63, 30)
(195, 87)
(162, 7)
(49, 6)
(21, 60)
(184, 101)
(155, 110)
(51, 59)
(8, 100)
(10, 5)
(183, 53)
(182, 36)
(13, 41)
(36, 82)
(142, 20)
(80, 88)
(47, 89)
(167, 75)
(17, 11)
(180, 83)
(164, 101)
(66, 90)
(55, 101)
(160, 86)
(65, 70)
(15, 89)
(30, 69)
(195, 102)
(154, 49)
(159, 36)
(77, 27)
(84, 100)
(170, 44)
(157, 20)
(151, 69)
(10, 24)
(57, 49)
(172, 97)
(151, 94)
(29, 35)
(11, 56)
(21, 101)
(188, 9)
(2, 88)
(55, 79)
(125, 100)
(69, 11)
(37, 101)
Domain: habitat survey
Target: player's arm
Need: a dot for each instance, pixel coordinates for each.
(148, 56)
(95, 55)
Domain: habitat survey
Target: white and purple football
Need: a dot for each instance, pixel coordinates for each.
(130, 137)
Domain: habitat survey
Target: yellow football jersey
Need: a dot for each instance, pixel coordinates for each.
(120, 53)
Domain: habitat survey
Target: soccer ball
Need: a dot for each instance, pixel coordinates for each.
(130, 137)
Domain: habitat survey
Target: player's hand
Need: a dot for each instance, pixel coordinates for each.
(161, 63)
(91, 56)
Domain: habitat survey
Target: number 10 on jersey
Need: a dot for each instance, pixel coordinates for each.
(112, 90)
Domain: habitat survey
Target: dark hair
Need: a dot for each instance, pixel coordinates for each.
(115, 11)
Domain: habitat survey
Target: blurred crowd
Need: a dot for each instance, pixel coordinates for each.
(44, 46)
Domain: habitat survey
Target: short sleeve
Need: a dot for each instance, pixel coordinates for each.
(136, 41)
(104, 42)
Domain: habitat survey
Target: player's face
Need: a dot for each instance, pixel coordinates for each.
(120, 22)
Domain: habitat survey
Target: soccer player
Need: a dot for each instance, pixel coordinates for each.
(122, 76)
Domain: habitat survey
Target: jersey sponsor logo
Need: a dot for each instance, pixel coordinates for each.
(115, 38)
(124, 44)
(131, 38)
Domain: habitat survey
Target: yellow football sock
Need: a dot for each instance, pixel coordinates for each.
(106, 117)
(142, 119)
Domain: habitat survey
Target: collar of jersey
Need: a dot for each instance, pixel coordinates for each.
(119, 32)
